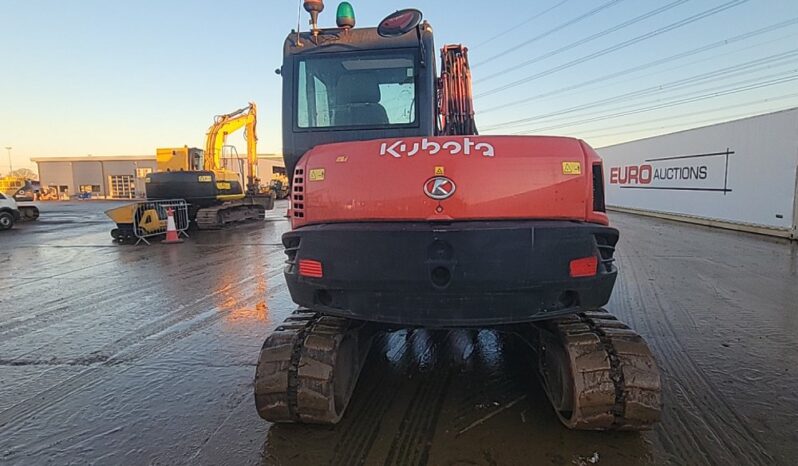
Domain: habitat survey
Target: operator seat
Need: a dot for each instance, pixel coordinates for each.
(359, 97)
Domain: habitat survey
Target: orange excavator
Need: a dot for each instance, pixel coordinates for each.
(403, 216)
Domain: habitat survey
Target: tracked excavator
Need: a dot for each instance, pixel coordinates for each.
(395, 226)
(216, 194)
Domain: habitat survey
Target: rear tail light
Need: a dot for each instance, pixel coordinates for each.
(584, 267)
(310, 268)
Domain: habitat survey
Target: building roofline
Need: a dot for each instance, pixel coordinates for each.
(124, 158)
(93, 158)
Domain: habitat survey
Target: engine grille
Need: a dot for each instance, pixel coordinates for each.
(298, 194)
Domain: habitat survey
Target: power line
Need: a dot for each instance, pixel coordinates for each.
(583, 17)
(682, 116)
(759, 85)
(650, 64)
(728, 72)
(558, 116)
(564, 48)
(691, 63)
(616, 47)
(692, 124)
(678, 99)
(513, 28)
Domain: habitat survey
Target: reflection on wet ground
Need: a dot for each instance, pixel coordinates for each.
(128, 355)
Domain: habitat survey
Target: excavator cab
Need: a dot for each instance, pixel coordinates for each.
(343, 84)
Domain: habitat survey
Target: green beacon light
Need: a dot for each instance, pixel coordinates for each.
(345, 15)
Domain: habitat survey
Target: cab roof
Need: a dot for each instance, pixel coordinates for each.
(339, 39)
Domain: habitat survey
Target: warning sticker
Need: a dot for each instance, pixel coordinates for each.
(316, 174)
(439, 171)
(571, 168)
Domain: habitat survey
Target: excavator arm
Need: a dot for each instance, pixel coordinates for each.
(455, 100)
(224, 125)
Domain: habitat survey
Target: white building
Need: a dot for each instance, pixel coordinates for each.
(116, 177)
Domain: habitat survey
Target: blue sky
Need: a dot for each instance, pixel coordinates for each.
(122, 78)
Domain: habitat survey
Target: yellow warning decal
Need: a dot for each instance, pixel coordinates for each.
(439, 171)
(316, 174)
(223, 185)
(341, 159)
(204, 178)
(571, 168)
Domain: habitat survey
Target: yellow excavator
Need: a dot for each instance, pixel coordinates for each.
(216, 195)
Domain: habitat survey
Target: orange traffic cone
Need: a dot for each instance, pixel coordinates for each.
(171, 229)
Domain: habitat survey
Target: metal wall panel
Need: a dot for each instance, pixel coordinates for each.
(88, 173)
(57, 174)
(266, 168)
(743, 171)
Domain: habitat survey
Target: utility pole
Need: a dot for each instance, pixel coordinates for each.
(10, 168)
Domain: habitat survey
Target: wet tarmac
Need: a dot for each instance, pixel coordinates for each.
(145, 355)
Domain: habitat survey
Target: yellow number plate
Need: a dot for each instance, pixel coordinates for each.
(223, 185)
(571, 168)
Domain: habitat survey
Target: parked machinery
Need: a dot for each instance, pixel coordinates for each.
(137, 220)
(279, 185)
(216, 196)
(22, 191)
(48, 193)
(402, 216)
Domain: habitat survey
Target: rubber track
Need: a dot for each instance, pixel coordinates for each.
(616, 379)
(209, 217)
(294, 379)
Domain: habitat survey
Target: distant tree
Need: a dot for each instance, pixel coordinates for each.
(26, 173)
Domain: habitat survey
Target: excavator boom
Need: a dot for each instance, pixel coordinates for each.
(225, 125)
(455, 99)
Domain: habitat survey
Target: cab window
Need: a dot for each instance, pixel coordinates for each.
(362, 91)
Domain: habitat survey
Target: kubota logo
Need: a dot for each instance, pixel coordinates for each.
(466, 147)
(439, 188)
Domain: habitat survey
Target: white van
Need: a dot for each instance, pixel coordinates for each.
(9, 212)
